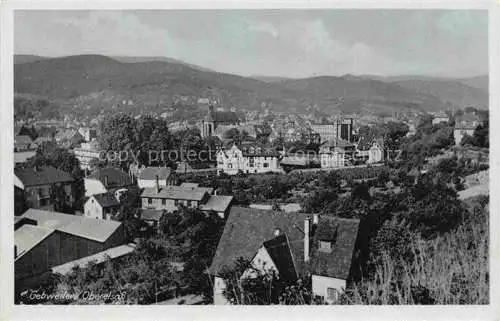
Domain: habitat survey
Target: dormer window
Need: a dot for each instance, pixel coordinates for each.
(325, 246)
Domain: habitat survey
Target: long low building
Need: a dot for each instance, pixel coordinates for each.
(170, 198)
(99, 258)
(44, 239)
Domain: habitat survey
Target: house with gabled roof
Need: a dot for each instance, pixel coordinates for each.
(153, 218)
(69, 138)
(44, 186)
(23, 143)
(170, 197)
(108, 179)
(220, 204)
(103, 206)
(294, 245)
(148, 177)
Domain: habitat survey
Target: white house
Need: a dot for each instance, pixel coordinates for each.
(322, 247)
(332, 157)
(376, 153)
(441, 118)
(103, 206)
(150, 176)
(248, 159)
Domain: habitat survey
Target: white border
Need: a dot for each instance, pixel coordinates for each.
(10, 312)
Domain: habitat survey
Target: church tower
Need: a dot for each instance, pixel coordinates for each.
(209, 123)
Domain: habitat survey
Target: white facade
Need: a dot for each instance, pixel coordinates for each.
(219, 287)
(262, 262)
(232, 161)
(459, 134)
(375, 154)
(327, 287)
(93, 186)
(440, 119)
(143, 183)
(92, 209)
(170, 205)
(335, 158)
(86, 154)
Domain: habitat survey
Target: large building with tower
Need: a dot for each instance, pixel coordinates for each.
(339, 129)
(217, 118)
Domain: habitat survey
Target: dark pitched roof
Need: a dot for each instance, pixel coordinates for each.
(281, 254)
(22, 139)
(343, 234)
(42, 176)
(116, 177)
(43, 139)
(256, 149)
(247, 229)
(225, 117)
(106, 199)
(218, 203)
(175, 192)
(150, 173)
(68, 134)
(152, 215)
(365, 142)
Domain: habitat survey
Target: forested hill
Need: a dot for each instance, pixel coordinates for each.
(95, 80)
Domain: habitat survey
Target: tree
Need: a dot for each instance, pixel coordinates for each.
(432, 208)
(137, 279)
(197, 234)
(118, 133)
(152, 135)
(481, 134)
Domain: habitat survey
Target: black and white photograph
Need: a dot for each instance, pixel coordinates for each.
(309, 156)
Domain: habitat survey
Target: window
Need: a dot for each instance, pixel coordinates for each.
(251, 162)
(176, 202)
(266, 165)
(163, 202)
(189, 204)
(230, 165)
(332, 294)
(150, 200)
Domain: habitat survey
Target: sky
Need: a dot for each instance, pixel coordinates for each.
(285, 43)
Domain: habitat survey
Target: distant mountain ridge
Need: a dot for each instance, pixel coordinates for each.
(96, 80)
(23, 59)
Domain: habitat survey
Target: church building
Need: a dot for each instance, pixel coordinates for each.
(217, 118)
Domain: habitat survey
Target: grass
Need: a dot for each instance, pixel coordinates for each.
(450, 269)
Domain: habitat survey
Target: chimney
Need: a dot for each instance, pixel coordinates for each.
(157, 184)
(306, 239)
